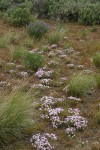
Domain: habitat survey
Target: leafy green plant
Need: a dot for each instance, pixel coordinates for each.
(96, 59)
(15, 111)
(33, 60)
(80, 84)
(90, 14)
(18, 16)
(56, 37)
(5, 4)
(37, 29)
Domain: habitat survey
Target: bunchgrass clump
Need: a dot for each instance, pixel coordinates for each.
(15, 111)
(7, 39)
(17, 52)
(33, 60)
(97, 116)
(28, 42)
(80, 84)
(98, 80)
(56, 37)
(96, 59)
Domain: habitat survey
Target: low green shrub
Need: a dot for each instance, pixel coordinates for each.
(63, 9)
(80, 84)
(5, 4)
(37, 29)
(40, 7)
(90, 14)
(15, 111)
(18, 16)
(33, 60)
(96, 59)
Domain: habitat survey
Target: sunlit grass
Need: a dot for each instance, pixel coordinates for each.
(7, 39)
(80, 84)
(15, 111)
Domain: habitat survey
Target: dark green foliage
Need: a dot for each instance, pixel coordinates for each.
(5, 4)
(33, 60)
(90, 14)
(18, 1)
(19, 16)
(86, 11)
(37, 29)
(41, 7)
(83, 11)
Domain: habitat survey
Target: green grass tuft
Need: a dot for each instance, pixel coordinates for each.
(7, 39)
(15, 111)
(17, 52)
(56, 37)
(98, 80)
(80, 84)
(96, 59)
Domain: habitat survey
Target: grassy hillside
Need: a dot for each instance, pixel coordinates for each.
(60, 74)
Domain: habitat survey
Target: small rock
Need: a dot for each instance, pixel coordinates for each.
(71, 66)
(53, 46)
(66, 38)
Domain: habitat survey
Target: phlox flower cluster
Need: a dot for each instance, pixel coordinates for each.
(74, 98)
(75, 122)
(39, 86)
(52, 62)
(71, 131)
(48, 101)
(45, 81)
(75, 111)
(40, 141)
(42, 73)
(52, 113)
(78, 122)
(23, 74)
